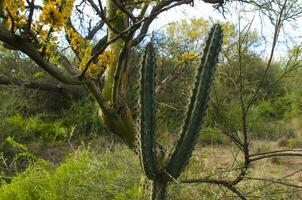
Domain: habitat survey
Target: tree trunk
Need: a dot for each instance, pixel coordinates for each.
(159, 190)
(119, 22)
(121, 124)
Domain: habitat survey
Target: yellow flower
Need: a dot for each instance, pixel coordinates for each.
(51, 15)
(56, 12)
(190, 56)
(14, 6)
(15, 13)
(104, 59)
(76, 41)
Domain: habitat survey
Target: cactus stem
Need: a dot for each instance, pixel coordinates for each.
(159, 190)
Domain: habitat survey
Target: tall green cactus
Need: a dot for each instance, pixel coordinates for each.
(147, 121)
(179, 157)
(198, 104)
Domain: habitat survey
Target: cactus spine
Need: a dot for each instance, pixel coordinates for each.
(182, 151)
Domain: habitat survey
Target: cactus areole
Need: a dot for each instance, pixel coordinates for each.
(179, 157)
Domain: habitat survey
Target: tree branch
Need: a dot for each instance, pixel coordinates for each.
(276, 181)
(95, 29)
(42, 85)
(156, 10)
(99, 44)
(276, 151)
(224, 183)
(256, 158)
(277, 28)
(26, 47)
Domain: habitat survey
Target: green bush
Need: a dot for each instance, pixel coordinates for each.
(295, 142)
(266, 109)
(39, 133)
(32, 128)
(274, 131)
(275, 109)
(212, 136)
(84, 175)
(31, 133)
(82, 116)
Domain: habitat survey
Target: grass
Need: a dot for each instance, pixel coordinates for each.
(115, 174)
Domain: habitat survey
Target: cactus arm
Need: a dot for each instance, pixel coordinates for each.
(198, 103)
(147, 118)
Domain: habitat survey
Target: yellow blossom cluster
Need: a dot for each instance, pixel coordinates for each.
(41, 30)
(47, 41)
(229, 32)
(49, 48)
(192, 29)
(84, 49)
(14, 10)
(190, 56)
(105, 59)
(53, 17)
(77, 42)
(56, 12)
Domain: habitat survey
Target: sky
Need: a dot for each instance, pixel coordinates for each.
(199, 10)
(206, 11)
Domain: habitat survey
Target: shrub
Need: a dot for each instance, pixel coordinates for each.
(262, 147)
(83, 117)
(295, 142)
(273, 130)
(84, 175)
(32, 128)
(283, 142)
(212, 136)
